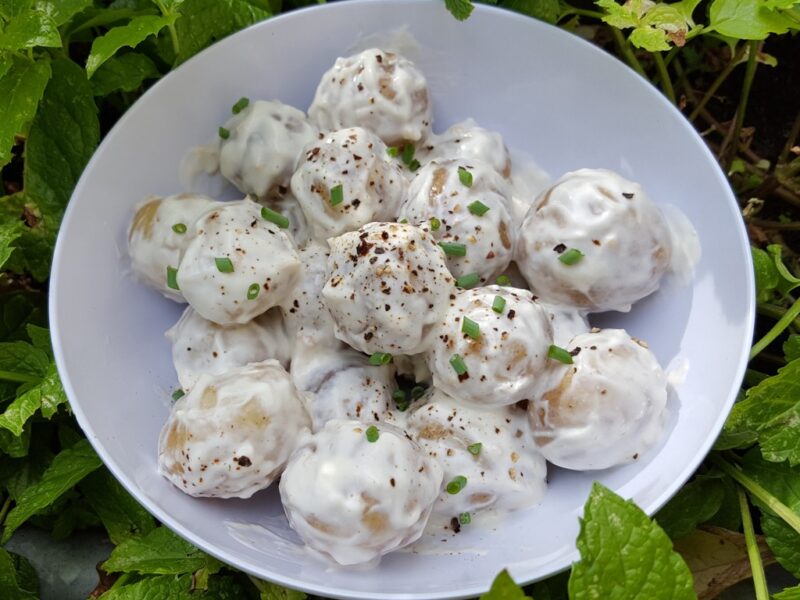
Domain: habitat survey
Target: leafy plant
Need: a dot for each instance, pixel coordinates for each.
(70, 68)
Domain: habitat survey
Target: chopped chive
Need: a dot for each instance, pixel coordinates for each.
(464, 518)
(435, 224)
(408, 153)
(179, 228)
(224, 264)
(273, 216)
(400, 400)
(380, 358)
(458, 364)
(172, 278)
(475, 448)
(224, 133)
(465, 176)
(499, 304)
(393, 151)
(559, 354)
(471, 328)
(417, 392)
(178, 394)
(414, 165)
(337, 195)
(240, 105)
(252, 291)
(478, 208)
(503, 280)
(571, 256)
(458, 483)
(468, 281)
(373, 434)
(452, 249)
(404, 221)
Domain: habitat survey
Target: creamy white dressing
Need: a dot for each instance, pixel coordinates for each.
(686, 249)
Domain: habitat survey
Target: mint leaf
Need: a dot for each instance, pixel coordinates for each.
(788, 594)
(625, 555)
(40, 338)
(160, 552)
(766, 273)
(271, 591)
(745, 19)
(9, 232)
(125, 73)
(649, 38)
(23, 359)
(783, 541)
(121, 515)
(460, 9)
(61, 11)
(791, 348)
(544, 10)
(29, 29)
(504, 588)
(16, 446)
(15, 579)
(154, 588)
(67, 469)
(131, 35)
(655, 25)
(695, 503)
(47, 396)
(21, 88)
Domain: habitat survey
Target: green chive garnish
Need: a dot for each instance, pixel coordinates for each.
(499, 304)
(373, 434)
(464, 518)
(417, 392)
(471, 328)
(337, 195)
(380, 358)
(178, 394)
(571, 256)
(468, 281)
(400, 400)
(503, 280)
(559, 354)
(414, 165)
(393, 151)
(452, 249)
(435, 224)
(458, 364)
(179, 228)
(252, 291)
(404, 221)
(465, 176)
(458, 483)
(224, 133)
(475, 448)
(240, 105)
(224, 264)
(172, 278)
(273, 216)
(478, 208)
(408, 153)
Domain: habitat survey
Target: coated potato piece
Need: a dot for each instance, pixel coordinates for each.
(490, 447)
(354, 498)
(346, 180)
(388, 286)
(158, 235)
(566, 322)
(607, 408)
(622, 235)
(238, 265)
(233, 433)
(471, 203)
(201, 347)
(502, 347)
(377, 90)
(467, 141)
(263, 145)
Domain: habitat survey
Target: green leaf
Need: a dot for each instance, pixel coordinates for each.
(460, 9)
(788, 594)
(504, 588)
(34, 247)
(122, 516)
(15, 584)
(786, 281)
(552, 588)
(781, 4)
(791, 348)
(47, 395)
(125, 73)
(655, 24)
(9, 232)
(23, 359)
(625, 555)
(160, 552)
(61, 11)
(272, 591)
(783, 541)
(21, 88)
(154, 588)
(40, 338)
(745, 19)
(131, 35)
(766, 273)
(695, 503)
(16, 446)
(29, 29)
(544, 10)
(67, 469)
(649, 38)
(17, 310)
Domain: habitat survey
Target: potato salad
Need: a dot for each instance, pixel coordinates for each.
(375, 329)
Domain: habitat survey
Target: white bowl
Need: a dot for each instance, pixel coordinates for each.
(549, 93)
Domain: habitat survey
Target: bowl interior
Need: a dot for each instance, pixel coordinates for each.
(551, 95)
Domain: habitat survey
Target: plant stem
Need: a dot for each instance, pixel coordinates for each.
(793, 133)
(173, 34)
(4, 509)
(17, 377)
(753, 553)
(666, 82)
(717, 82)
(625, 49)
(775, 311)
(777, 225)
(749, 74)
(777, 329)
(791, 518)
(593, 14)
